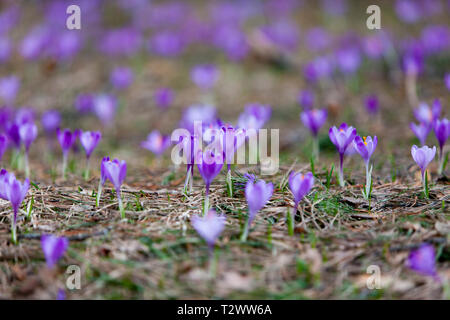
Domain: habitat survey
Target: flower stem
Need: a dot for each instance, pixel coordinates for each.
(441, 161)
(121, 208)
(229, 184)
(290, 219)
(86, 171)
(316, 147)
(14, 227)
(341, 170)
(186, 182)
(368, 182)
(206, 204)
(99, 193)
(27, 165)
(64, 166)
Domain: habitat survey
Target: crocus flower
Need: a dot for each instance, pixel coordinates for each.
(372, 104)
(53, 248)
(447, 81)
(300, 186)
(9, 87)
(314, 120)
(28, 133)
(166, 43)
(365, 146)
(206, 114)
(209, 227)
(342, 138)
(156, 143)
(12, 130)
(306, 99)
(423, 260)
(255, 115)
(421, 131)
(66, 140)
(209, 166)
(50, 121)
(105, 106)
(163, 97)
(3, 145)
(257, 195)
(89, 140)
(423, 156)
(102, 180)
(442, 132)
(84, 102)
(116, 171)
(426, 115)
(205, 76)
(121, 77)
(15, 192)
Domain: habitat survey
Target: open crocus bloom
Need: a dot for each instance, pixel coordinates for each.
(342, 138)
(156, 143)
(53, 248)
(300, 185)
(426, 115)
(365, 146)
(209, 227)
(421, 131)
(423, 156)
(116, 172)
(89, 140)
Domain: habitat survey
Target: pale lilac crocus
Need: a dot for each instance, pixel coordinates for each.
(15, 191)
(121, 78)
(205, 76)
(442, 132)
(423, 260)
(50, 121)
(300, 185)
(257, 195)
(9, 87)
(426, 115)
(372, 104)
(365, 146)
(421, 131)
(342, 138)
(28, 133)
(156, 143)
(209, 166)
(116, 171)
(164, 97)
(66, 139)
(102, 181)
(53, 248)
(89, 140)
(209, 227)
(105, 106)
(314, 120)
(423, 156)
(306, 99)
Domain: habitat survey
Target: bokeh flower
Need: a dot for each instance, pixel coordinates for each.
(342, 138)
(423, 260)
(209, 227)
(53, 248)
(156, 143)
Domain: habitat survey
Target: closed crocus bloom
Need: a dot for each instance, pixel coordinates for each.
(442, 132)
(365, 146)
(421, 131)
(205, 76)
(423, 156)
(50, 121)
(9, 87)
(3, 145)
(84, 102)
(426, 115)
(306, 99)
(89, 140)
(28, 133)
(257, 194)
(156, 143)
(255, 115)
(164, 97)
(102, 180)
(12, 131)
(105, 108)
(53, 248)
(372, 104)
(121, 77)
(342, 138)
(204, 113)
(423, 260)
(116, 171)
(66, 140)
(16, 192)
(209, 166)
(314, 120)
(209, 227)
(300, 185)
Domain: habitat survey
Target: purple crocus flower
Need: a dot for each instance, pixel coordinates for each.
(84, 102)
(447, 81)
(300, 186)
(89, 140)
(12, 130)
(53, 248)
(255, 115)
(121, 78)
(306, 99)
(116, 171)
(66, 140)
(205, 76)
(102, 180)
(423, 156)
(442, 132)
(206, 114)
(156, 143)
(209, 227)
(35, 43)
(6, 47)
(50, 121)
(365, 146)
(166, 43)
(408, 11)
(317, 39)
(257, 195)
(372, 104)
(28, 133)
(342, 138)
(3, 145)
(348, 59)
(209, 166)
(163, 97)
(105, 108)
(121, 42)
(9, 87)
(426, 115)
(423, 260)
(283, 34)
(421, 131)
(314, 120)
(15, 191)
